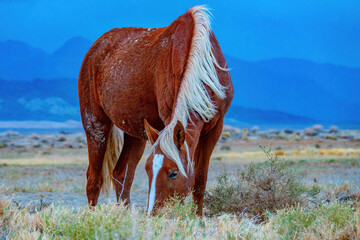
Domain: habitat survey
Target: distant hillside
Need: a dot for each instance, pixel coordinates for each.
(320, 91)
(54, 99)
(19, 60)
(258, 117)
(278, 86)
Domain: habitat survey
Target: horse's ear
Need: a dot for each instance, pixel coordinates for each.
(179, 134)
(151, 132)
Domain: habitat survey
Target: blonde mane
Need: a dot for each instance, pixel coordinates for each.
(193, 96)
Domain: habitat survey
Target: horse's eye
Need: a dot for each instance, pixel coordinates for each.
(173, 174)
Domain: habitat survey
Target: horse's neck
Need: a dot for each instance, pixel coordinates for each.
(167, 88)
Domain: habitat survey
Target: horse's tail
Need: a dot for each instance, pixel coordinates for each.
(113, 150)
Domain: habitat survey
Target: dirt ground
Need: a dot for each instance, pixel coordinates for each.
(43, 177)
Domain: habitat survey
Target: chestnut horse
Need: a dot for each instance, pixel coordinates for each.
(168, 85)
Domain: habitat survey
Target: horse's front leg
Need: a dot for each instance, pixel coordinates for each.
(204, 150)
(124, 171)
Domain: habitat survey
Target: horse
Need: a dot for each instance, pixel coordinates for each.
(170, 86)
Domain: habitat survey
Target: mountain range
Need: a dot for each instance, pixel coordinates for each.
(20, 61)
(36, 85)
(324, 92)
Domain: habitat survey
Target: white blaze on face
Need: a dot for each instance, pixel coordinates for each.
(156, 166)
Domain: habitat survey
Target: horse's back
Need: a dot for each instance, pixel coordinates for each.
(119, 72)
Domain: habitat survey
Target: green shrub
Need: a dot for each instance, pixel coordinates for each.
(262, 187)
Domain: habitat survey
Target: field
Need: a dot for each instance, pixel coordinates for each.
(43, 196)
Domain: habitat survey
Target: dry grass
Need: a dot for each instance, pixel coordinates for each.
(43, 178)
(310, 153)
(328, 221)
(115, 222)
(60, 157)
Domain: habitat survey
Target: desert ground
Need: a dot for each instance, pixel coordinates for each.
(53, 176)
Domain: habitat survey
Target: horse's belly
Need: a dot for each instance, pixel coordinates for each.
(132, 122)
(129, 108)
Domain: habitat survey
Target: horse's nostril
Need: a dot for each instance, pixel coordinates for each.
(173, 174)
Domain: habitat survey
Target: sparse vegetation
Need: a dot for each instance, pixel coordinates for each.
(260, 188)
(292, 209)
(328, 221)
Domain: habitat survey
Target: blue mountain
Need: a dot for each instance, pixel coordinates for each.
(321, 91)
(20, 61)
(39, 99)
(37, 85)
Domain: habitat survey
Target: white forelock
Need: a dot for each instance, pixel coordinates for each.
(193, 96)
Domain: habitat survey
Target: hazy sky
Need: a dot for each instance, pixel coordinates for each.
(319, 30)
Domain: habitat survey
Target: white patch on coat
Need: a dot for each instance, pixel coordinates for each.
(157, 165)
(94, 128)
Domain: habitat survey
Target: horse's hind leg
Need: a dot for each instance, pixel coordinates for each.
(125, 168)
(97, 128)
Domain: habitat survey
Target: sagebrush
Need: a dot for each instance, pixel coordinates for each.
(267, 186)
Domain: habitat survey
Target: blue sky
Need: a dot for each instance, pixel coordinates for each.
(322, 30)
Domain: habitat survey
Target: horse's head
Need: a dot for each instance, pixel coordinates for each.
(165, 177)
